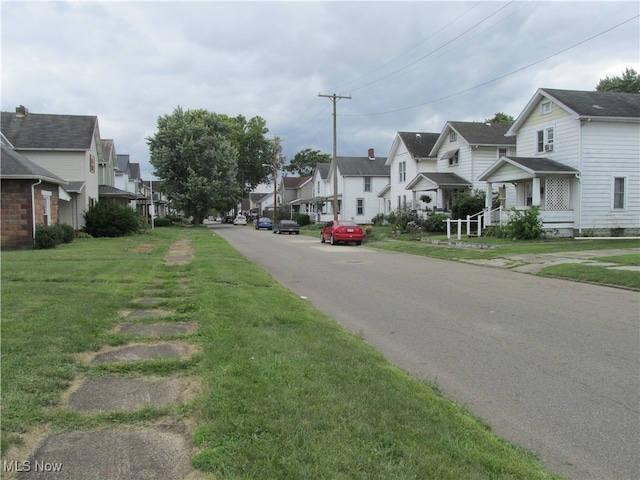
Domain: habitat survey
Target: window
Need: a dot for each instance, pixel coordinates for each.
(453, 159)
(367, 184)
(360, 206)
(453, 136)
(502, 152)
(46, 208)
(402, 172)
(545, 140)
(618, 192)
(545, 107)
(92, 164)
(318, 192)
(528, 193)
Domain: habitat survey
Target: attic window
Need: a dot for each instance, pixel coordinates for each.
(545, 108)
(453, 136)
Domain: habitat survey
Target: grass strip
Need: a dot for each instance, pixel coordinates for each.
(286, 393)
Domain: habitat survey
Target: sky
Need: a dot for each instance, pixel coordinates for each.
(406, 66)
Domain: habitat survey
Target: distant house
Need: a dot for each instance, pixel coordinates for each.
(107, 168)
(359, 181)
(30, 196)
(297, 193)
(578, 160)
(463, 151)
(409, 155)
(68, 146)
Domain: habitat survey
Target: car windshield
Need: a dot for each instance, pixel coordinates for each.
(264, 220)
(288, 222)
(240, 217)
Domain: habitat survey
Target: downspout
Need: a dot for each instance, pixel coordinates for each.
(33, 207)
(580, 204)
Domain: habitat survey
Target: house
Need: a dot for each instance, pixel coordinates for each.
(359, 181)
(68, 146)
(297, 193)
(160, 203)
(462, 151)
(578, 159)
(107, 168)
(409, 155)
(30, 195)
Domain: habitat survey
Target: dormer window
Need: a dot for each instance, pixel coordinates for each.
(545, 107)
(453, 136)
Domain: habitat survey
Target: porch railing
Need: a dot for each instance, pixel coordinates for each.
(484, 217)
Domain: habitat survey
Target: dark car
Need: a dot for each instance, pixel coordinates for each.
(263, 222)
(341, 231)
(286, 226)
(229, 219)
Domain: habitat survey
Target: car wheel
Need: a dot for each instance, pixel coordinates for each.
(332, 240)
(321, 239)
(358, 243)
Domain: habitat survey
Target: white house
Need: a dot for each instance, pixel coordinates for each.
(578, 159)
(408, 157)
(360, 180)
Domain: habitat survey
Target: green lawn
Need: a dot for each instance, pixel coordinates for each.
(286, 393)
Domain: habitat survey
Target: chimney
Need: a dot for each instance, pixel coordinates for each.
(371, 154)
(21, 111)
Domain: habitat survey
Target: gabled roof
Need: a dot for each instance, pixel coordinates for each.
(123, 162)
(439, 180)
(419, 144)
(608, 106)
(13, 165)
(295, 182)
(363, 166)
(532, 165)
(107, 150)
(476, 133)
(41, 131)
(112, 192)
(322, 169)
(134, 171)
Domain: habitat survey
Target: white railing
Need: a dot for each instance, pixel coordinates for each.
(480, 218)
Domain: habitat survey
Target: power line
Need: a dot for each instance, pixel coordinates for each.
(496, 78)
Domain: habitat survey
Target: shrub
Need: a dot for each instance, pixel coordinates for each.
(524, 225)
(435, 223)
(302, 219)
(67, 234)
(47, 236)
(378, 219)
(162, 222)
(467, 203)
(106, 219)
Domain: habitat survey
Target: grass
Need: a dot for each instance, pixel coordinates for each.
(415, 244)
(285, 393)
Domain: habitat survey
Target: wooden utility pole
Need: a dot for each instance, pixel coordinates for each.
(275, 180)
(334, 165)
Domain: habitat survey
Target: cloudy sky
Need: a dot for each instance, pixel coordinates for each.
(408, 66)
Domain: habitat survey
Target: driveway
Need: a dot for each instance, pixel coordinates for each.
(550, 365)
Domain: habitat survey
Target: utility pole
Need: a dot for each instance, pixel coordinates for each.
(334, 165)
(275, 180)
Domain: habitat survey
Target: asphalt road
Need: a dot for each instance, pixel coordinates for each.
(551, 365)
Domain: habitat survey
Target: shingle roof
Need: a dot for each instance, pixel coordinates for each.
(419, 144)
(109, 191)
(323, 169)
(123, 162)
(363, 166)
(598, 104)
(480, 133)
(295, 182)
(107, 149)
(542, 165)
(13, 165)
(134, 171)
(446, 179)
(48, 131)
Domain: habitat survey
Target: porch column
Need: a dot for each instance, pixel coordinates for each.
(536, 192)
(489, 196)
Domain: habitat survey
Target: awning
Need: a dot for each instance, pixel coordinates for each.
(63, 195)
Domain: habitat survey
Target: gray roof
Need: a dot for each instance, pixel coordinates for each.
(49, 132)
(107, 149)
(363, 166)
(13, 165)
(419, 144)
(134, 171)
(598, 104)
(480, 133)
(323, 169)
(113, 192)
(541, 165)
(123, 162)
(75, 187)
(446, 179)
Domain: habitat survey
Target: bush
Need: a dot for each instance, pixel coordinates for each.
(162, 222)
(435, 223)
(47, 237)
(467, 203)
(67, 234)
(524, 225)
(302, 219)
(106, 219)
(378, 219)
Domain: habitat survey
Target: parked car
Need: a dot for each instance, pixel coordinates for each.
(263, 222)
(240, 220)
(228, 219)
(341, 231)
(287, 226)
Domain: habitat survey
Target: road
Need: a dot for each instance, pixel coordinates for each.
(550, 365)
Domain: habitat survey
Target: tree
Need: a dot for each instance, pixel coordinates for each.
(305, 161)
(197, 162)
(629, 83)
(254, 151)
(500, 118)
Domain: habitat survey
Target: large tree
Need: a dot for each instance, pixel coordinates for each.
(197, 162)
(500, 118)
(305, 161)
(628, 83)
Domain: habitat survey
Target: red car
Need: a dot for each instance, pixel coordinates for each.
(341, 231)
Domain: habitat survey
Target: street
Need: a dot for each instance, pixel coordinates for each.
(550, 365)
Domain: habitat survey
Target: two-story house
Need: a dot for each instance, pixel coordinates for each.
(578, 160)
(359, 181)
(464, 150)
(297, 194)
(107, 168)
(68, 146)
(408, 157)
